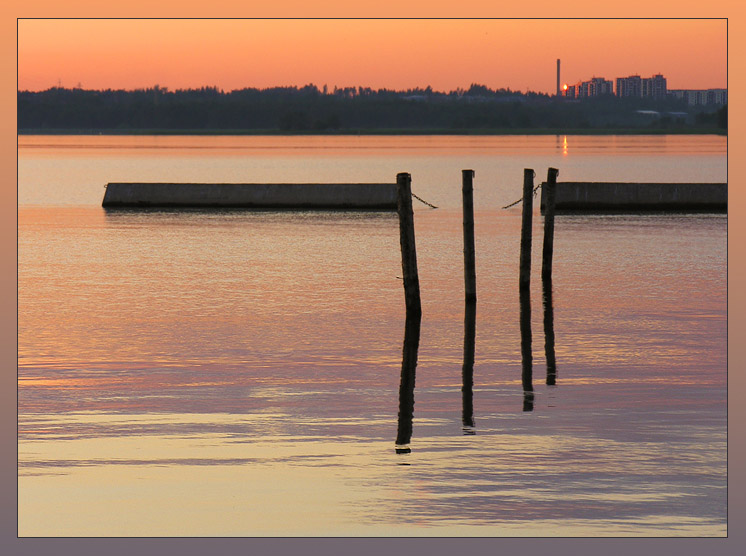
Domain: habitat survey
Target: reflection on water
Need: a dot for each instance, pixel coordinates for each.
(406, 385)
(467, 369)
(409, 365)
(526, 355)
(546, 284)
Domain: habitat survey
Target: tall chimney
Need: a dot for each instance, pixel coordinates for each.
(558, 77)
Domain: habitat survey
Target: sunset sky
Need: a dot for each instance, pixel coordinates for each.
(446, 54)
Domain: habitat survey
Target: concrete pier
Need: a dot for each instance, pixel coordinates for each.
(638, 197)
(313, 196)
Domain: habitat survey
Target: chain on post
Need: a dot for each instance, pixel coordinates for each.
(535, 192)
(423, 201)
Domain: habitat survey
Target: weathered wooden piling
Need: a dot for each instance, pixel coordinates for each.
(407, 242)
(528, 207)
(467, 370)
(549, 194)
(470, 272)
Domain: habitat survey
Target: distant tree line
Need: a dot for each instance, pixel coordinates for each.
(308, 109)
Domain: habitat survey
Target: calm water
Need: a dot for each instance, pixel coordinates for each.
(237, 373)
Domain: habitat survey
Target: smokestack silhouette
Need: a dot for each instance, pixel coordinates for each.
(558, 77)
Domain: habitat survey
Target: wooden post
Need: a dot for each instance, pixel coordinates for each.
(406, 240)
(528, 207)
(550, 188)
(470, 273)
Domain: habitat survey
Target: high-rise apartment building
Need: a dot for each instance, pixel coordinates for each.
(601, 86)
(595, 87)
(636, 86)
(654, 87)
(629, 86)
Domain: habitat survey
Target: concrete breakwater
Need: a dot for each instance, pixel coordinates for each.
(318, 196)
(638, 197)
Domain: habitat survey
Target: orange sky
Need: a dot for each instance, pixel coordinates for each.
(396, 54)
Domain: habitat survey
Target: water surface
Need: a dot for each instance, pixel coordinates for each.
(238, 373)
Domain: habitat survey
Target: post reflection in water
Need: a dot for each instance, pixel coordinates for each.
(467, 370)
(406, 386)
(549, 332)
(526, 357)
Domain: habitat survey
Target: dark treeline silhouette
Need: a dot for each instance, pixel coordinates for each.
(308, 109)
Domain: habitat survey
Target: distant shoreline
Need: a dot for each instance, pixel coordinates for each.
(353, 132)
